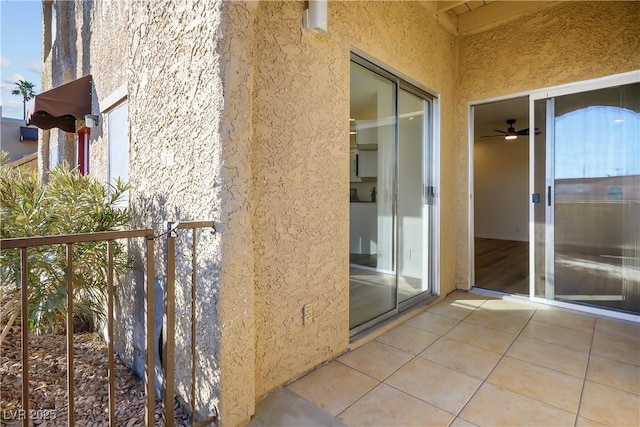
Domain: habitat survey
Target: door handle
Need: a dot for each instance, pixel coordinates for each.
(549, 195)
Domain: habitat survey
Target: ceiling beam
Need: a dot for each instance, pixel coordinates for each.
(443, 6)
(493, 13)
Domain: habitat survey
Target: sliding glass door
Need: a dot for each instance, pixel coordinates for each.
(390, 195)
(587, 230)
(372, 221)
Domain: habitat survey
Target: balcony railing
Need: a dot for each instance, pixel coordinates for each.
(24, 244)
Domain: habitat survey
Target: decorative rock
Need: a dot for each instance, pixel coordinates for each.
(48, 388)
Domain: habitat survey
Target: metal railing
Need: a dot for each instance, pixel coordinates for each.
(25, 243)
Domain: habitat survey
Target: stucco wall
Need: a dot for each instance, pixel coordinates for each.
(189, 160)
(189, 110)
(563, 43)
(300, 158)
(104, 55)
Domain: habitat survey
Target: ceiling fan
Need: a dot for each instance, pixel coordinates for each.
(511, 132)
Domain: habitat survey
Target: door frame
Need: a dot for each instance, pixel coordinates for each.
(538, 94)
(471, 201)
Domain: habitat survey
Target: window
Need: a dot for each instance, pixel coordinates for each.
(118, 146)
(53, 156)
(615, 193)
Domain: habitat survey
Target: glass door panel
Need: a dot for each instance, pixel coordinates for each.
(413, 209)
(596, 203)
(539, 198)
(372, 280)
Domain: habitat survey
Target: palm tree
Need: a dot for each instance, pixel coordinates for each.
(24, 89)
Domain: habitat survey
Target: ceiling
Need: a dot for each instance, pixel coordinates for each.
(487, 117)
(472, 16)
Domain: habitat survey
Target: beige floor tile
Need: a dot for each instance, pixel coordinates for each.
(408, 338)
(470, 360)
(459, 422)
(456, 309)
(499, 320)
(565, 318)
(478, 336)
(551, 356)
(469, 298)
(333, 387)
(585, 422)
(564, 337)
(495, 406)
(609, 372)
(618, 347)
(618, 328)
(376, 359)
(432, 322)
(551, 387)
(443, 387)
(511, 307)
(609, 406)
(385, 405)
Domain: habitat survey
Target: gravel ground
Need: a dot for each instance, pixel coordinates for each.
(48, 377)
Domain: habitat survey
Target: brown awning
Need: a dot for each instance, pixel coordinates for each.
(61, 106)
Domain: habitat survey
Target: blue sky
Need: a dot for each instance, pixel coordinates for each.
(20, 50)
(597, 141)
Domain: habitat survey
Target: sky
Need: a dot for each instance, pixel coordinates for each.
(20, 50)
(597, 141)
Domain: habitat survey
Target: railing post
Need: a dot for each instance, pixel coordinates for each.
(169, 327)
(150, 386)
(24, 331)
(70, 379)
(193, 326)
(110, 335)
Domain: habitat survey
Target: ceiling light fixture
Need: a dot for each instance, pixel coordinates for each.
(511, 137)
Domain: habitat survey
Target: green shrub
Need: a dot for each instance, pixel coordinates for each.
(69, 203)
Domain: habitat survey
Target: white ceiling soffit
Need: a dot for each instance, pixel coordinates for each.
(474, 16)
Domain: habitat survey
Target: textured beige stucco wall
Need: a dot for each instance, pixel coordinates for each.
(190, 81)
(186, 66)
(90, 38)
(106, 35)
(300, 157)
(563, 43)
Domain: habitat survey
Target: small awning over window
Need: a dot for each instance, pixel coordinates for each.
(61, 106)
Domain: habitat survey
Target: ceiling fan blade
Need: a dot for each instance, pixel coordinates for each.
(526, 132)
(500, 131)
(492, 136)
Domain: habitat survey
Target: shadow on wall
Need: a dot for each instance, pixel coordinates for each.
(130, 307)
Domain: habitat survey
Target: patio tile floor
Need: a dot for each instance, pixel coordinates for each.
(474, 360)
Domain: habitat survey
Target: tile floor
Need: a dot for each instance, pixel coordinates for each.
(473, 360)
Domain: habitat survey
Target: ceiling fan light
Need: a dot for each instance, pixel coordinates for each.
(510, 137)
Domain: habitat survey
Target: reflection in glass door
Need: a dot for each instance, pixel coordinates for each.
(390, 195)
(592, 198)
(372, 284)
(414, 192)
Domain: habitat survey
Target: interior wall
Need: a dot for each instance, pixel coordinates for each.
(562, 43)
(501, 189)
(300, 160)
